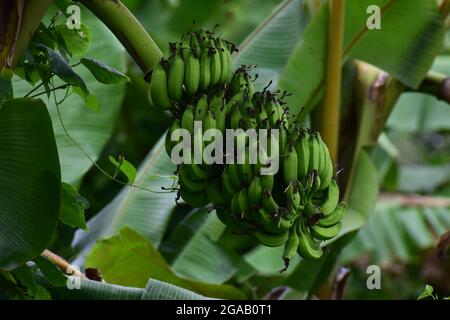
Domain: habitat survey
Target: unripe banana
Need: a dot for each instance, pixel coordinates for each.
(194, 199)
(186, 182)
(308, 248)
(216, 67)
(272, 111)
(293, 195)
(235, 224)
(235, 176)
(195, 45)
(269, 203)
(235, 209)
(255, 192)
(201, 108)
(158, 88)
(323, 233)
(176, 77)
(223, 52)
(192, 73)
(205, 69)
(291, 246)
(270, 239)
(316, 183)
(246, 169)
(302, 148)
(290, 166)
(271, 223)
(209, 122)
(243, 202)
(267, 182)
(336, 216)
(187, 119)
(215, 193)
(314, 153)
(169, 144)
(228, 186)
(330, 199)
(236, 117)
(221, 118)
(197, 172)
(327, 175)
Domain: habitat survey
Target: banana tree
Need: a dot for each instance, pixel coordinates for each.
(345, 68)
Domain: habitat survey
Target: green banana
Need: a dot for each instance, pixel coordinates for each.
(231, 221)
(223, 52)
(188, 183)
(270, 239)
(169, 144)
(255, 192)
(201, 108)
(158, 88)
(302, 148)
(267, 182)
(330, 200)
(327, 175)
(327, 233)
(176, 77)
(194, 199)
(336, 216)
(243, 202)
(215, 193)
(187, 119)
(235, 176)
(235, 208)
(228, 186)
(291, 246)
(197, 172)
(290, 166)
(205, 69)
(191, 73)
(216, 67)
(293, 195)
(269, 203)
(272, 224)
(314, 153)
(308, 248)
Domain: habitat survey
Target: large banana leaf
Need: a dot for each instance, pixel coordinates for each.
(90, 128)
(144, 211)
(410, 37)
(272, 43)
(129, 259)
(395, 232)
(417, 112)
(155, 290)
(30, 181)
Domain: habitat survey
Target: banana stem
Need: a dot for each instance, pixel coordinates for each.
(437, 85)
(116, 16)
(331, 106)
(62, 264)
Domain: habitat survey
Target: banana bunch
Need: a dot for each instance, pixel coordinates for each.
(298, 206)
(200, 61)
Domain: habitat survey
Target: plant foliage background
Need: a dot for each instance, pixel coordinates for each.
(146, 247)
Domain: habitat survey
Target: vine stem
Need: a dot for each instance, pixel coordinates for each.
(331, 106)
(116, 16)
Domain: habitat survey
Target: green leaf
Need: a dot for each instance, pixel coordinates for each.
(411, 32)
(6, 92)
(51, 273)
(418, 112)
(62, 69)
(194, 253)
(74, 42)
(129, 259)
(72, 207)
(30, 184)
(34, 290)
(157, 290)
(90, 128)
(363, 195)
(146, 212)
(102, 72)
(125, 167)
(427, 292)
(270, 45)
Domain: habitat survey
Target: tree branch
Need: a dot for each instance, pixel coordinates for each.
(116, 16)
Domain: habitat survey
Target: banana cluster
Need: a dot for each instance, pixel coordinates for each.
(298, 206)
(201, 61)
